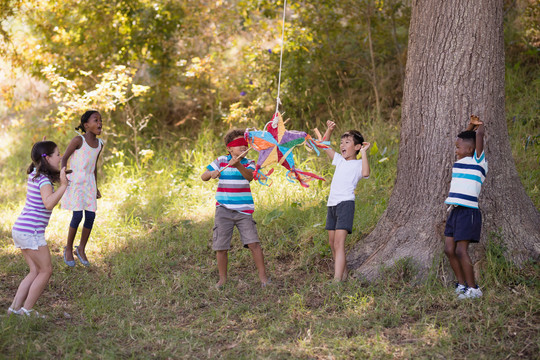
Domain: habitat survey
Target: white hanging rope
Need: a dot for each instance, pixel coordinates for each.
(278, 100)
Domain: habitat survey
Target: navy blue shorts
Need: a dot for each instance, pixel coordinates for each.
(341, 216)
(464, 223)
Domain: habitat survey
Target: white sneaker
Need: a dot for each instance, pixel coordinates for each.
(460, 289)
(471, 293)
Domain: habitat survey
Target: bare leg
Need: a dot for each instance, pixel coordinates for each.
(331, 235)
(85, 235)
(222, 262)
(69, 246)
(339, 248)
(24, 286)
(465, 262)
(258, 257)
(40, 261)
(450, 251)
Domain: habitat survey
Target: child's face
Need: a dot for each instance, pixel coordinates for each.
(94, 124)
(463, 149)
(55, 159)
(348, 148)
(236, 151)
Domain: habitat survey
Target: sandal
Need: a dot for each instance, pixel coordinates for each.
(31, 313)
(13, 311)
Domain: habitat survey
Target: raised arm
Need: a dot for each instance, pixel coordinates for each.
(329, 130)
(365, 163)
(478, 126)
(480, 139)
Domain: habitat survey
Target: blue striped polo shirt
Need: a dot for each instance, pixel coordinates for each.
(468, 175)
(233, 190)
(34, 217)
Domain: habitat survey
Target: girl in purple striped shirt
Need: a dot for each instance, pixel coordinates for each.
(29, 228)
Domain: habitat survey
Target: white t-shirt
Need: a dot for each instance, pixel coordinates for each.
(346, 176)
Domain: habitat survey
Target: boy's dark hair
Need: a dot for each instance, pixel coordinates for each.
(40, 164)
(356, 136)
(469, 136)
(232, 134)
(84, 119)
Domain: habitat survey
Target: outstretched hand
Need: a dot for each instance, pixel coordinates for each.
(475, 122)
(330, 125)
(365, 147)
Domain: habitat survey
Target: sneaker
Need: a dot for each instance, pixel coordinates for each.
(460, 289)
(471, 293)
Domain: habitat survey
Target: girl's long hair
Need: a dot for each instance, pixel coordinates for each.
(40, 163)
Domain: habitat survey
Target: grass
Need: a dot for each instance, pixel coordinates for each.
(149, 292)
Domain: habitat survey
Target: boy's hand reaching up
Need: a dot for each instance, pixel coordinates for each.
(330, 125)
(365, 147)
(475, 122)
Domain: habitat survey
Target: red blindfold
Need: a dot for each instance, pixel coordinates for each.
(238, 142)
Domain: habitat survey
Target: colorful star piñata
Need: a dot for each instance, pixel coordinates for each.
(275, 145)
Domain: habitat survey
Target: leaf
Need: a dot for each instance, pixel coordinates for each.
(374, 149)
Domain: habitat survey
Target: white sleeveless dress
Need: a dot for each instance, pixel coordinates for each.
(81, 192)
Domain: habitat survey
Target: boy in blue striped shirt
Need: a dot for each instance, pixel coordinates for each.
(464, 223)
(234, 204)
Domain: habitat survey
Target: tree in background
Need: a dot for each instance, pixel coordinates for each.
(455, 68)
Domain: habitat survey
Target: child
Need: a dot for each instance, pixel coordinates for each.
(234, 204)
(82, 191)
(464, 223)
(340, 215)
(29, 228)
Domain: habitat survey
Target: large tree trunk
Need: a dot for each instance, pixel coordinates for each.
(455, 68)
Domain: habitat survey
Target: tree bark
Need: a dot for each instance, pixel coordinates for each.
(455, 68)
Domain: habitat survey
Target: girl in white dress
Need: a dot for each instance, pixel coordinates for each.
(82, 192)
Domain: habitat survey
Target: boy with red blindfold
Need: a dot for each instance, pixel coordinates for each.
(234, 204)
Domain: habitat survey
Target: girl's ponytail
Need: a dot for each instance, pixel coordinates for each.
(84, 119)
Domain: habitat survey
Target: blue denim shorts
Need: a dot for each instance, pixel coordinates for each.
(341, 216)
(25, 240)
(464, 223)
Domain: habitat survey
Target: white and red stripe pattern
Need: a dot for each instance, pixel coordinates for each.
(233, 190)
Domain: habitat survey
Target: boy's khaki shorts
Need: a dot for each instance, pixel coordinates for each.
(224, 223)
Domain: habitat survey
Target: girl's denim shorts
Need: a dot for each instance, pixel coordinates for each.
(24, 240)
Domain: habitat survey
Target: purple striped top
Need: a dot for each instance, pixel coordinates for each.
(34, 217)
